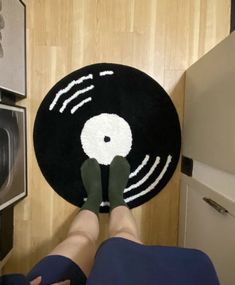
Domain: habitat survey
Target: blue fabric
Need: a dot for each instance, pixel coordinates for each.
(55, 268)
(122, 262)
(13, 279)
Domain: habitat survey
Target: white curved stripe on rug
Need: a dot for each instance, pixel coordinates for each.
(143, 163)
(83, 102)
(140, 182)
(154, 184)
(106, 72)
(67, 88)
(74, 96)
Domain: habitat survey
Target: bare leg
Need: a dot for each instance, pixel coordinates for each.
(80, 244)
(123, 224)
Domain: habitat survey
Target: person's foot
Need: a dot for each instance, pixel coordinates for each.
(91, 178)
(119, 172)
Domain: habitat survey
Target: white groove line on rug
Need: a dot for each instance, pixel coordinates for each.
(102, 204)
(106, 72)
(143, 163)
(140, 182)
(75, 95)
(67, 88)
(105, 203)
(76, 107)
(154, 184)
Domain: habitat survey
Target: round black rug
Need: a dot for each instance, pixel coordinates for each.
(100, 111)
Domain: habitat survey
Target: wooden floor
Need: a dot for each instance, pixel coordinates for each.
(162, 38)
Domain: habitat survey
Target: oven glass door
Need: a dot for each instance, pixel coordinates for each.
(12, 155)
(4, 157)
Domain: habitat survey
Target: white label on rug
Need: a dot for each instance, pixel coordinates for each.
(106, 135)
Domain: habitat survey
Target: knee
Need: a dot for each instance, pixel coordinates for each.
(127, 234)
(81, 237)
(123, 230)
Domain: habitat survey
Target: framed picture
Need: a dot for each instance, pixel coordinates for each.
(13, 168)
(13, 47)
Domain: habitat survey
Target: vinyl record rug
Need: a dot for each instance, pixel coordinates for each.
(100, 111)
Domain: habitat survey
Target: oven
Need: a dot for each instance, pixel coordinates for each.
(12, 155)
(9, 146)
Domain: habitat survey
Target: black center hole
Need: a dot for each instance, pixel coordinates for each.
(107, 139)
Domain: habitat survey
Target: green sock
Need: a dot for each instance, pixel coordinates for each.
(118, 177)
(91, 178)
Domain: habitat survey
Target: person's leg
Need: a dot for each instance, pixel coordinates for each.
(80, 244)
(122, 223)
(79, 247)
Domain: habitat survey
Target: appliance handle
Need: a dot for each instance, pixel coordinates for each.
(215, 205)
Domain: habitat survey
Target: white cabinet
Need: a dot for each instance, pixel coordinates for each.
(208, 132)
(204, 228)
(209, 141)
